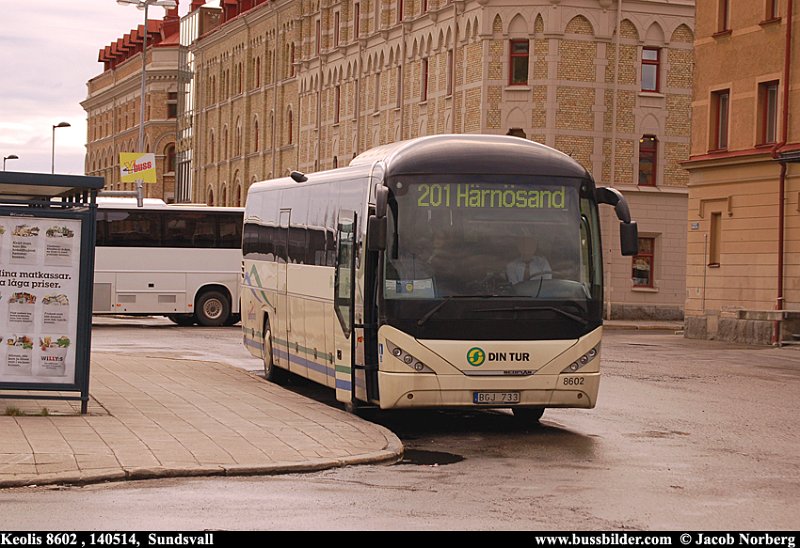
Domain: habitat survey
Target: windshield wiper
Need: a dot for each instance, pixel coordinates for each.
(435, 309)
(564, 313)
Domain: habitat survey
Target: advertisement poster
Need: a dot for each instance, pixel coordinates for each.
(39, 274)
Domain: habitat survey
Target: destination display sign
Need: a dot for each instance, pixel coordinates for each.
(480, 196)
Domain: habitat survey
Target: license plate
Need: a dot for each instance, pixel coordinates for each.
(495, 397)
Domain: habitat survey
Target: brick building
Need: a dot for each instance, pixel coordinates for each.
(113, 106)
(308, 84)
(743, 259)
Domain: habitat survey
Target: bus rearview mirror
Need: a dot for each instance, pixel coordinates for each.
(629, 238)
(376, 233)
(381, 199)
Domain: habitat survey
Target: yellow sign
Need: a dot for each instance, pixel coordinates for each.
(137, 166)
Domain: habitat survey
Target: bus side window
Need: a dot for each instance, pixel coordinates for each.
(204, 233)
(315, 253)
(101, 228)
(178, 230)
(230, 235)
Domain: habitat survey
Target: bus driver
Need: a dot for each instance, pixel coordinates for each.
(528, 265)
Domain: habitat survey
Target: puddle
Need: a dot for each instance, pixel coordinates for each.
(429, 458)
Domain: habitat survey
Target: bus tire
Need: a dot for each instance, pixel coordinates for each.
(272, 372)
(528, 414)
(183, 320)
(233, 319)
(212, 309)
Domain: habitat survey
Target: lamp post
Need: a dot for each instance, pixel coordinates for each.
(143, 5)
(53, 155)
(9, 157)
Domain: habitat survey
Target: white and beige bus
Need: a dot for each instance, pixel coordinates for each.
(179, 261)
(397, 280)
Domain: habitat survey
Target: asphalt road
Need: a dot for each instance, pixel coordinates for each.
(687, 435)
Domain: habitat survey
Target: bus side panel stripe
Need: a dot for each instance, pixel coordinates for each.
(294, 358)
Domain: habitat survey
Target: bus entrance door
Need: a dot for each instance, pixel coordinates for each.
(284, 327)
(343, 303)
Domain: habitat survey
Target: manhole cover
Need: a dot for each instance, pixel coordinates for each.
(429, 458)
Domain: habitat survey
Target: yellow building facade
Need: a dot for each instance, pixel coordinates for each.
(743, 255)
(309, 84)
(113, 106)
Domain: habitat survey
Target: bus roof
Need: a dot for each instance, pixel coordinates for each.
(155, 203)
(471, 153)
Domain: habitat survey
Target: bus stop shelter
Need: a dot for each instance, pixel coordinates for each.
(47, 239)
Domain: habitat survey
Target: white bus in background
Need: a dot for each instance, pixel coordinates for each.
(389, 280)
(179, 261)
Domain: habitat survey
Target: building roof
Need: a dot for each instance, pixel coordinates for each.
(163, 33)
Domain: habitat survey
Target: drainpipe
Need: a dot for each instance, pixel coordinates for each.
(787, 63)
(609, 285)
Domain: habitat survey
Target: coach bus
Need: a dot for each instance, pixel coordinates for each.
(390, 280)
(179, 261)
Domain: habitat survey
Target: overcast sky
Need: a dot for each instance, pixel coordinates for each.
(48, 52)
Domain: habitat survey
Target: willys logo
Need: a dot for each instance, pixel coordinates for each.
(476, 356)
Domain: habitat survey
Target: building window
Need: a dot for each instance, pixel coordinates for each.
(518, 63)
(715, 239)
(172, 105)
(648, 154)
(720, 104)
(768, 112)
(771, 11)
(335, 28)
(449, 76)
(424, 6)
(337, 104)
(211, 148)
(258, 72)
(651, 64)
(423, 94)
(356, 20)
(377, 98)
(644, 263)
(723, 15)
(290, 128)
(255, 135)
(317, 36)
(399, 11)
(169, 155)
(238, 143)
(399, 92)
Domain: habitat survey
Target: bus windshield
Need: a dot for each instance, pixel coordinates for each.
(491, 236)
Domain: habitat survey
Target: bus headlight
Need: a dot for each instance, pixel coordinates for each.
(407, 358)
(583, 360)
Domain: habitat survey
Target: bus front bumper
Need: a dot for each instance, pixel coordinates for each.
(407, 390)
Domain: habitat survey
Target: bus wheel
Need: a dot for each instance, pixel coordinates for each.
(212, 309)
(528, 414)
(184, 320)
(233, 319)
(272, 372)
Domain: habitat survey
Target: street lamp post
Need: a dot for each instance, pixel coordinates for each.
(143, 5)
(9, 157)
(53, 155)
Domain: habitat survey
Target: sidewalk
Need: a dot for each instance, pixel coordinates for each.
(649, 325)
(153, 417)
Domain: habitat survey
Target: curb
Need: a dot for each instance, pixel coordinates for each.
(392, 453)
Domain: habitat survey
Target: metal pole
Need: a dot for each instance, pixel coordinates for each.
(139, 184)
(53, 153)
